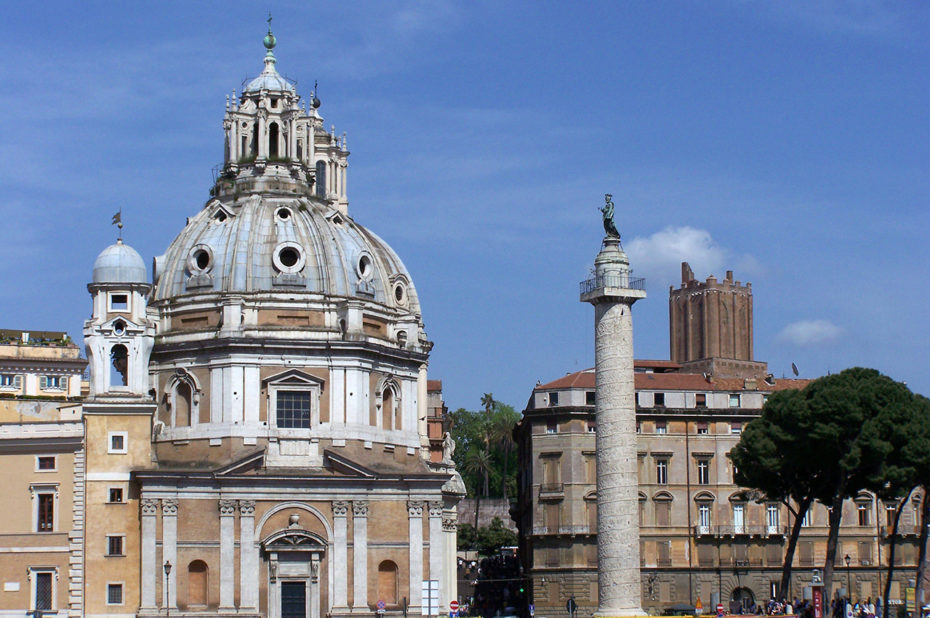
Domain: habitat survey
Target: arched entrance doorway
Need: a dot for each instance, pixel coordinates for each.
(293, 558)
(741, 599)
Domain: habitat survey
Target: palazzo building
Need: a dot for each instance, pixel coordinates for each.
(700, 536)
(259, 436)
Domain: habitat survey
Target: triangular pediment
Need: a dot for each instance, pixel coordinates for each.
(346, 466)
(250, 463)
(293, 377)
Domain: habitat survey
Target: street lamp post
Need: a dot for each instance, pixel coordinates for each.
(848, 585)
(168, 589)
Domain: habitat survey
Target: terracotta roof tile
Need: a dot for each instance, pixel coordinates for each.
(673, 381)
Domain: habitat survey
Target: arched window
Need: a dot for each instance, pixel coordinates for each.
(183, 400)
(320, 179)
(273, 139)
(390, 406)
(197, 583)
(119, 372)
(590, 507)
(387, 582)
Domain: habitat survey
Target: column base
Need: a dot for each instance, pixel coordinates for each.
(618, 612)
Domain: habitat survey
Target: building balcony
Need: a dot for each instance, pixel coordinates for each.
(612, 280)
(552, 490)
(903, 531)
(563, 530)
(735, 531)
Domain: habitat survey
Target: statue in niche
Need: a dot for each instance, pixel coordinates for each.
(608, 211)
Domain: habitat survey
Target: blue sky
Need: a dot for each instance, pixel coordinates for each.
(787, 141)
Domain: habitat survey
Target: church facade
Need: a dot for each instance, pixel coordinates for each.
(257, 431)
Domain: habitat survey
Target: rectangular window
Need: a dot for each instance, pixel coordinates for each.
(862, 510)
(736, 428)
(589, 398)
(43, 599)
(865, 553)
(119, 302)
(553, 399)
(806, 553)
(293, 409)
(663, 553)
(704, 516)
(114, 594)
(702, 428)
(117, 442)
(115, 495)
(552, 426)
(592, 427)
(53, 383)
(662, 471)
(45, 463)
(808, 519)
(889, 515)
(663, 512)
(659, 400)
(734, 400)
(46, 514)
(114, 545)
(700, 400)
(771, 518)
(10, 381)
(703, 472)
(661, 427)
(739, 518)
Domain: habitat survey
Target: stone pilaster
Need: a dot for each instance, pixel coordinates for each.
(169, 549)
(449, 585)
(227, 553)
(340, 556)
(149, 566)
(248, 557)
(360, 556)
(415, 535)
(436, 547)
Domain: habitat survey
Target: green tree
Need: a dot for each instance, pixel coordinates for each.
(478, 463)
(495, 536)
(503, 420)
(770, 458)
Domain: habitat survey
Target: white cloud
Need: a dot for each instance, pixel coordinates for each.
(810, 332)
(659, 257)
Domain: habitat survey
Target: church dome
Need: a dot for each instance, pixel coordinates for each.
(119, 263)
(265, 244)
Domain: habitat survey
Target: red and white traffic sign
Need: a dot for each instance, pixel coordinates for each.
(453, 605)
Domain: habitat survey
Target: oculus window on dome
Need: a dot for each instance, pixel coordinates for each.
(288, 257)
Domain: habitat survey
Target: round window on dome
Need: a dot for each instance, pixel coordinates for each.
(400, 293)
(289, 257)
(284, 213)
(119, 327)
(201, 259)
(364, 267)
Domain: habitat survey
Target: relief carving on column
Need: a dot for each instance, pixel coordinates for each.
(247, 508)
(449, 524)
(227, 507)
(360, 508)
(435, 508)
(340, 508)
(414, 508)
(169, 506)
(149, 506)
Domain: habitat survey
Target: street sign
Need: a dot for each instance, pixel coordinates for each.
(381, 604)
(532, 610)
(453, 605)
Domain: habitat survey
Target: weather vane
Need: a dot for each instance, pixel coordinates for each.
(269, 21)
(118, 222)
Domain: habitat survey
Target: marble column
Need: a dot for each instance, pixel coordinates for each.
(149, 563)
(436, 547)
(449, 587)
(360, 556)
(415, 536)
(340, 556)
(227, 553)
(613, 292)
(169, 550)
(248, 557)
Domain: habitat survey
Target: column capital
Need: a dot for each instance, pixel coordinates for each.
(435, 508)
(169, 506)
(360, 508)
(149, 506)
(449, 524)
(340, 508)
(227, 508)
(414, 508)
(247, 508)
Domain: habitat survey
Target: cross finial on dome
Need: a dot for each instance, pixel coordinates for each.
(269, 40)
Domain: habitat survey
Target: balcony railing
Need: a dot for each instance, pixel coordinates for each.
(569, 530)
(612, 280)
(731, 530)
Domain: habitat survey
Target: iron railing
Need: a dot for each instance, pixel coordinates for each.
(612, 280)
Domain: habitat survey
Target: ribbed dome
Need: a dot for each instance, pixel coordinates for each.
(270, 80)
(271, 244)
(119, 263)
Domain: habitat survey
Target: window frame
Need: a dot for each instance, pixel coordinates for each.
(33, 574)
(122, 495)
(40, 458)
(736, 399)
(37, 490)
(661, 427)
(122, 596)
(703, 470)
(293, 381)
(120, 541)
(122, 450)
(662, 470)
(112, 308)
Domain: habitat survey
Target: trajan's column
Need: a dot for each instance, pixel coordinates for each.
(612, 292)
